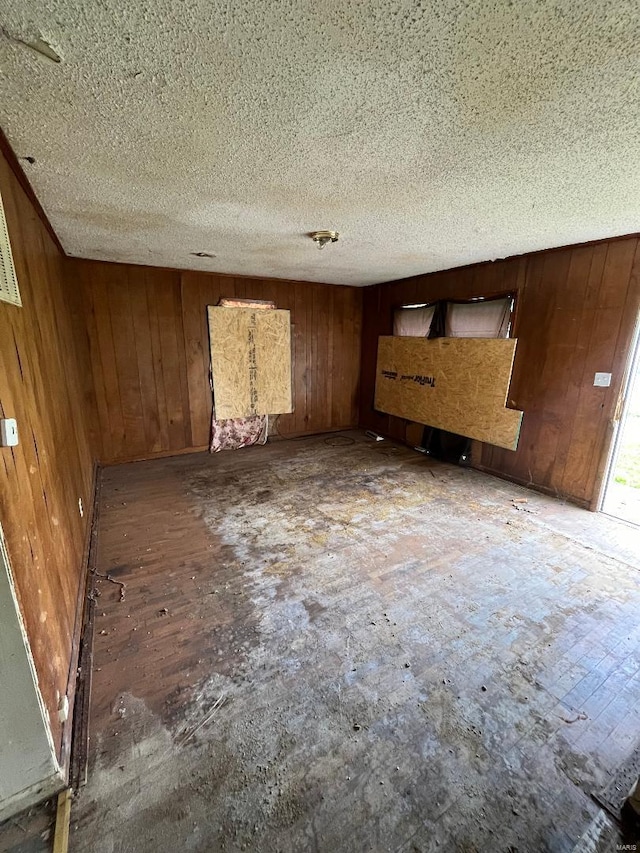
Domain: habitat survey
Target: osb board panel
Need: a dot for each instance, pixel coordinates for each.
(456, 384)
(250, 361)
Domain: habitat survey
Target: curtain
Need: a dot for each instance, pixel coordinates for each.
(486, 319)
(413, 322)
(234, 433)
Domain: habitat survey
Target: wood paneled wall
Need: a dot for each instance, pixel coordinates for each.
(149, 354)
(41, 480)
(575, 315)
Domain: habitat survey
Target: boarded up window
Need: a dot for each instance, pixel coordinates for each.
(459, 386)
(250, 361)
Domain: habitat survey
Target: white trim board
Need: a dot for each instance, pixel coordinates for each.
(29, 769)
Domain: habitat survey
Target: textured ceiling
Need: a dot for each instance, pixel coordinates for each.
(430, 134)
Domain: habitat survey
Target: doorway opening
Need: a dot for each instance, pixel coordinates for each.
(621, 496)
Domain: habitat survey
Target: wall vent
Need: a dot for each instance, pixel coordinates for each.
(9, 291)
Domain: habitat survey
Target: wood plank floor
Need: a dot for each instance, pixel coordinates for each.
(332, 644)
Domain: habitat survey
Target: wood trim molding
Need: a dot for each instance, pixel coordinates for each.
(81, 606)
(18, 171)
(224, 275)
(161, 454)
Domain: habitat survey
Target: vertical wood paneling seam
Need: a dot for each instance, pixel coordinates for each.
(137, 363)
(106, 432)
(156, 360)
(561, 474)
(122, 442)
(182, 360)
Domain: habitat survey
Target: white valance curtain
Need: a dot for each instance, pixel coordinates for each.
(482, 319)
(413, 322)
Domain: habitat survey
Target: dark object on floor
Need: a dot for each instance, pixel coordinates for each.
(630, 820)
(613, 797)
(447, 446)
(630, 817)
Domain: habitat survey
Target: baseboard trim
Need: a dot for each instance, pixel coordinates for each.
(483, 469)
(64, 756)
(545, 490)
(163, 454)
(77, 775)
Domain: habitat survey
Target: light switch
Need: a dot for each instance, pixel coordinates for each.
(8, 432)
(602, 380)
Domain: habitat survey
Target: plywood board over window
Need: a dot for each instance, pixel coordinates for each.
(456, 384)
(250, 361)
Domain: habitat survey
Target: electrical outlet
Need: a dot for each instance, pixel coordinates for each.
(602, 380)
(80, 507)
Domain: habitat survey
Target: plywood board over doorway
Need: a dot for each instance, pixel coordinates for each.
(456, 384)
(250, 361)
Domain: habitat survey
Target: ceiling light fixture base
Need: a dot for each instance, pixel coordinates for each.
(321, 238)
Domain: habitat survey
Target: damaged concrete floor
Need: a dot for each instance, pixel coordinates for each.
(336, 646)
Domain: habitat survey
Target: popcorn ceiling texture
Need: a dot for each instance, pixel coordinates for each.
(430, 134)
